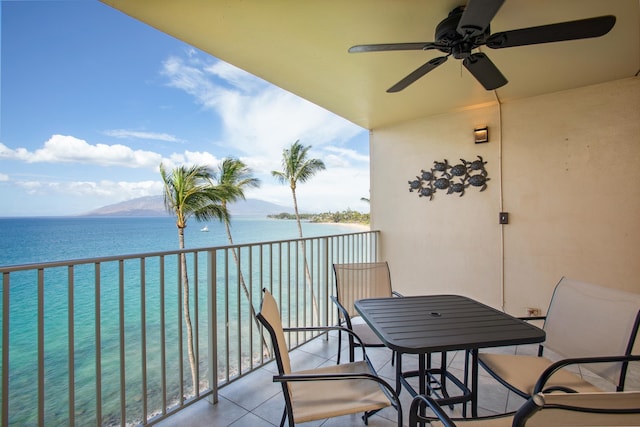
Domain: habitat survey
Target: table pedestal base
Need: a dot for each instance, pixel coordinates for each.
(433, 381)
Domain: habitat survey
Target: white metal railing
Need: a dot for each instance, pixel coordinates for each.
(102, 341)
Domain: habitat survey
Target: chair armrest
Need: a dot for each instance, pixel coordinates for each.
(544, 377)
(414, 412)
(415, 417)
(283, 378)
(527, 318)
(327, 329)
(342, 311)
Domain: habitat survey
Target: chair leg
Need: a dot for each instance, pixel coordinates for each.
(352, 349)
(366, 415)
(284, 417)
(339, 344)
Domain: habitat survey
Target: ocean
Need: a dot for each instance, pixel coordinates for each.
(34, 240)
(37, 240)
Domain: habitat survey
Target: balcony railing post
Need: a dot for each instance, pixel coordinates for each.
(41, 404)
(212, 325)
(324, 267)
(4, 419)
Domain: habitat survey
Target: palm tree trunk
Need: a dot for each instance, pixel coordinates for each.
(295, 208)
(187, 314)
(314, 303)
(265, 347)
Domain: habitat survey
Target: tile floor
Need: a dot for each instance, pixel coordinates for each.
(256, 401)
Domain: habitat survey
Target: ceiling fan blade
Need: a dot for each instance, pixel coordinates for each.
(477, 15)
(571, 30)
(392, 46)
(421, 71)
(485, 71)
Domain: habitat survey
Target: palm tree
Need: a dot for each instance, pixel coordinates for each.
(188, 192)
(233, 177)
(296, 167)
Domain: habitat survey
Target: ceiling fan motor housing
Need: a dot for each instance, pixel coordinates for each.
(447, 30)
(452, 41)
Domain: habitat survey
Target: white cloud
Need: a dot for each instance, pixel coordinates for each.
(6, 152)
(4, 177)
(111, 191)
(337, 189)
(259, 119)
(234, 76)
(68, 149)
(348, 154)
(65, 149)
(132, 134)
(191, 158)
(344, 157)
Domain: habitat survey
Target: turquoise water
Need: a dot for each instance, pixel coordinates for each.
(33, 240)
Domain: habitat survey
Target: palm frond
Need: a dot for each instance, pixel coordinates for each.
(296, 167)
(234, 177)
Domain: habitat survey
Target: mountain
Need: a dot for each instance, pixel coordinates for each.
(154, 206)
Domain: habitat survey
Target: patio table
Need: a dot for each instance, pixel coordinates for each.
(439, 323)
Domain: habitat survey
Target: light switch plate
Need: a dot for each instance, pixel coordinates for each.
(504, 217)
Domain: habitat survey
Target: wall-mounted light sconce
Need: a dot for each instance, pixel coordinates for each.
(481, 135)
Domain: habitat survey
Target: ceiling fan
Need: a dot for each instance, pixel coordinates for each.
(467, 28)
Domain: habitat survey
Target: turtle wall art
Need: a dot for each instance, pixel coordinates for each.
(452, 179)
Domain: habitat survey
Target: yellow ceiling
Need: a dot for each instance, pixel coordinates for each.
(301, 46)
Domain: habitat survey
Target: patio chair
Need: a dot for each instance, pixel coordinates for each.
(324, 392)
(358, 281)
(583, 321)
(544, 410)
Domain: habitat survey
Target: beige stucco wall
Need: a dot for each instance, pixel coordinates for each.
(566, 166)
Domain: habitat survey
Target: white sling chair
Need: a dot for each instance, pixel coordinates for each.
(358, 281)
(545, 410)
(324, 392)
(583, 321)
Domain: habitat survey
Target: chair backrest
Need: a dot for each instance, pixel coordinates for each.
(590, 320)
(580, 409)
(361, 280)
(269, 316)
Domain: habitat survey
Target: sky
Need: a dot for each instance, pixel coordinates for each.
(92, 101)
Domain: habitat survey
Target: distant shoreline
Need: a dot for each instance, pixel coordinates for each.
(344, 217)
(341, 223)
(348, 224)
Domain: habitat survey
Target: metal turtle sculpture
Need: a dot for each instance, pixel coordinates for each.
(441, 183)
(457, 187)
(476, 165)
(416, 184)
(479, 180)
(427, 192)
(442, 167)
(427, 175)
(440, 177)
(459, 169)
